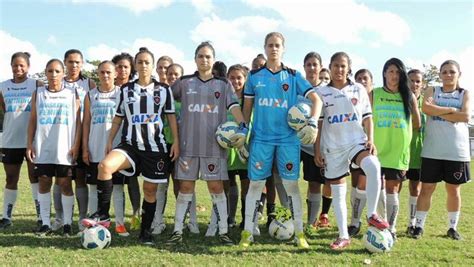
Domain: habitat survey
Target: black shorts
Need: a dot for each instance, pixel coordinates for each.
(51, 170)
(413, 174)
(452, 172)
(13, 155)
(92, 172)
(393, 174)
(80, 164)
(311, 172)
(243, 174)
(154, 166)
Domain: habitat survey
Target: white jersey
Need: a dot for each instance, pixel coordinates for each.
(82, 87)
(309, 149)
(102, 109)
(55, 125)
(445, 140)
(342, 114)
(17, 99)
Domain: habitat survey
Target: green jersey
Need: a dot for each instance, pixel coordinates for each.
(166, 125)
(233, 161)
(417, 140)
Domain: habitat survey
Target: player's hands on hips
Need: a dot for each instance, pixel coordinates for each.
(239, 138)
(371, 147)
(309, 133)
(174, 151)
(243, 153)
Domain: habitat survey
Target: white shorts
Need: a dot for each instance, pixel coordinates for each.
(211, 169)
(337, 162)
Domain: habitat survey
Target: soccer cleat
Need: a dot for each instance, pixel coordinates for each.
(410, 230)
(323, 221)
(160, 228)
(452, 233)
(135, 223)
(121, 230)
(56, 224)
(378, 222)
(44, 231)
(193, 227)
(211, 230)
(67, 230)
(226, 240)
(311, 230)
(246, 239)
(417, 233)
(340, 244)
(300, 241)
(353, 230)
(39, 223)
(175, 239)
(146, 238)
(95, 219)
(5, 223)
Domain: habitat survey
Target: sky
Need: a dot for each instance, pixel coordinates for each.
(417, 32)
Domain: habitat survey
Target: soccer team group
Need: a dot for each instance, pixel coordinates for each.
(104, 136)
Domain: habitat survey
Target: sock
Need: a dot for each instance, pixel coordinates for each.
(213, 220)
(326, 205)
(270, 209)
(261, 204)
(183, 203)
(134, 194)
(251, 204)
(233, 200)
(92, 198)
(313, 203)
(353, 195)
(340, 208)
(34, 194)
(119, 204)
(412, 211)
(104, 194)
(148, 212)
(282, 195)
(82, 196)
(358, 206)
(392, 210)
(242, 209)
(9, 202)
(420, 218)
(192, 210)
(371, 166)
(45, 207)
(294, 201)
(453, 219)
(220, 203)
(58, 206)
(161, 196)
(68, 208)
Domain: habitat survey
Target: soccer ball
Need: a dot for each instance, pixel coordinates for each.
(298, 115)
(281, 229)
(96, 237)
(225, 132)
(378, 241)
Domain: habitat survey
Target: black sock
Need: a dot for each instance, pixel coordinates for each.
(263, 197)
(242, 211)
(148, 213)
(270, 209)
(326, 205)
(104, 194)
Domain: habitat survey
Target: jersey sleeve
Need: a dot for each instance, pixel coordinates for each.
(249, 91)
(366, 109)
(176, 89)
(231, 98)
(169, 104)
(120, 112)
(303, 87)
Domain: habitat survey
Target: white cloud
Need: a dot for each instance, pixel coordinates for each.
(52, 40)
(136, 6)
(10, 45)
(326, 20)
(203, 6)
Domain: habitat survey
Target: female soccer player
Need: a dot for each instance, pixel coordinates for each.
(313, 174)
(325, 75)
(143, 148)
(271, 91)
(15, 97)
(54, 138)
(205, 100)
(346, 114)
(161, 66)
(395, 114)
(258, 62)
(445, 154)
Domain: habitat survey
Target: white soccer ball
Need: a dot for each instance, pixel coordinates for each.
(298, 115)
(96, 237)
(378, 241)
(225, 132)
(281, 229)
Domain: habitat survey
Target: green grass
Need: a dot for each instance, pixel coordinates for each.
(19, 246)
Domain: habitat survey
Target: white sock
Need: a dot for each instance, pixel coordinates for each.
(393, 205)
(82, 196)
(251, 204)
(314, 204)
(382, 204)
(161, 197)
(45, 207)
(119, 204)
(453, 219)
(360, 199)
(183, 203)
(34, 194)
(213, 220)
(282, 194)
(420, 218)
(220, 202)
(93, 200)
(412, 211)
(9, 202)
(58, 206)
(68, 208)
(294, 201)
(371, 167)
(233, 200)
(339, 205)
(192, 210)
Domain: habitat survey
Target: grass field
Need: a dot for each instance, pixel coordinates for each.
(19, 246)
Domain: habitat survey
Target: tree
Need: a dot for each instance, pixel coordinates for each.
(431, 75)
(92, 74)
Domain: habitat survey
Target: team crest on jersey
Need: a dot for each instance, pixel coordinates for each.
(289, 166)
(160, 165)
(457, 175)
(354, 101)
(217, 94)
(157, 99)
(211, 167)
(285, 87)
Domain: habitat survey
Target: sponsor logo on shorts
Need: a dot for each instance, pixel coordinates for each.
(258, 165)
(184, 165)
(217, 94)
(289, 166)
(354, 101)
(157, 100)
(457, 175)
(211, 167)
(285, 87)
(160, 165)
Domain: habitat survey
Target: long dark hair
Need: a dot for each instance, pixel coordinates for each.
(129, 58)
(403, 87)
